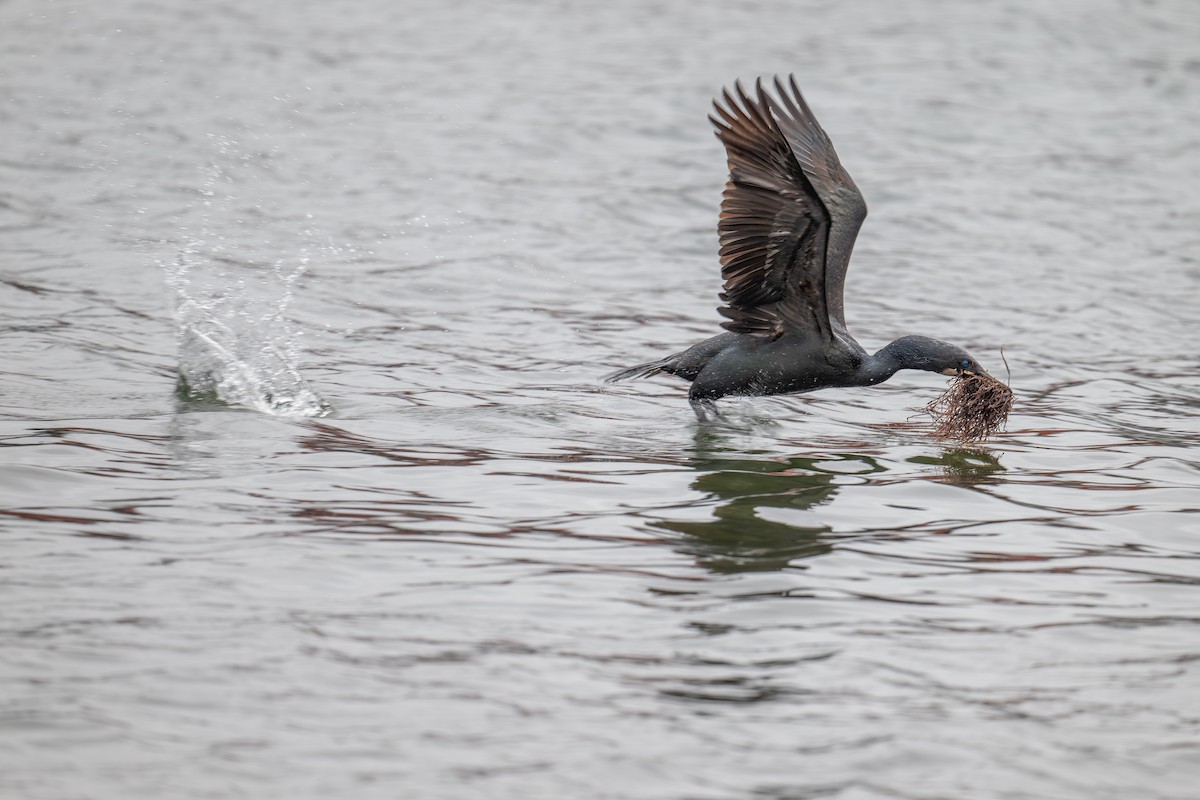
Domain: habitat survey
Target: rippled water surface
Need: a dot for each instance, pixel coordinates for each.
(484, 573)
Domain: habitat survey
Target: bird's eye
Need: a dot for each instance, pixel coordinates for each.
(966, 364)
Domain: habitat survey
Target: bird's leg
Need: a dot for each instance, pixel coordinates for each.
(705, 408)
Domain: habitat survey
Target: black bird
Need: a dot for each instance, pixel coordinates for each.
(789, 217)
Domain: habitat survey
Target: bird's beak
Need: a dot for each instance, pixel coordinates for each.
(960, 372)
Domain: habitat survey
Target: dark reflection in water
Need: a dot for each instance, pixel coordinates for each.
(965, 466)
(738, 538)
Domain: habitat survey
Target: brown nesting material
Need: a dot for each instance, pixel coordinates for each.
(972, 409)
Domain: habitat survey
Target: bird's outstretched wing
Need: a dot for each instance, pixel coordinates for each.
(789, 217)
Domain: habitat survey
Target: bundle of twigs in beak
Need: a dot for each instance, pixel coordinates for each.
(972, 409)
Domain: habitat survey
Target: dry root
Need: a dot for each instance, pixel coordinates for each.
(972, 409)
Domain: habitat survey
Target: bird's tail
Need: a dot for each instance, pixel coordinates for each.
(643, 370)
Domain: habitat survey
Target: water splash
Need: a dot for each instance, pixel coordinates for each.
(237, 346)
(236, 342)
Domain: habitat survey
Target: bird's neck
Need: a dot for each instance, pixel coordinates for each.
(887, 362)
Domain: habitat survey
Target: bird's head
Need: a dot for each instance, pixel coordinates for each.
(934, 355)
(961, 363)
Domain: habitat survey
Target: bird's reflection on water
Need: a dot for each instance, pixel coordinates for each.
(737, 538)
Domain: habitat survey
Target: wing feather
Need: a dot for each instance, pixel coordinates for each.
(782, 208)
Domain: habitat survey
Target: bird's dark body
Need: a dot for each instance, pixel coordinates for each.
(738, 364)
(789, 218)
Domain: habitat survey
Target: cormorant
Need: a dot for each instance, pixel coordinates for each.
(789, 217)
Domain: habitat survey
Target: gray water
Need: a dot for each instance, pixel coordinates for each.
(432, 555)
